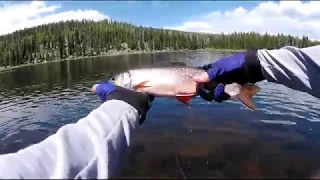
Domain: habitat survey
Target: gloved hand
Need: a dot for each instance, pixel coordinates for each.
(140, 101)
(240, 68)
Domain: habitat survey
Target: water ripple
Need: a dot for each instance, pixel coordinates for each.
(32, 110)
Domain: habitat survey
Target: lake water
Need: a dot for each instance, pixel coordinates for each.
(280, 139)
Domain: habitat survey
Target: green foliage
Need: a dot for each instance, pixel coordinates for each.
(72, 39)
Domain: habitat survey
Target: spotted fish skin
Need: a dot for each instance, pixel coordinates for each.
(164, 76)
(178, 82)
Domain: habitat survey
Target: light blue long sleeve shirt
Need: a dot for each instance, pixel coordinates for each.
(94, 146)
(298, 69)
(91, 148)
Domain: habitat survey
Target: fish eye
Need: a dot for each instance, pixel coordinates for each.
(112, 79)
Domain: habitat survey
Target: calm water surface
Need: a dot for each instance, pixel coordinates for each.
(280, 139)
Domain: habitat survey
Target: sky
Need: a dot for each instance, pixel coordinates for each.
(289, 17)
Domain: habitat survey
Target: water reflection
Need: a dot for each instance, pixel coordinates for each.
(280, 139)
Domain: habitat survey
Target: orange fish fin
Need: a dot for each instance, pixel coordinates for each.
(245, 96)
(251, 89)
(184, 99)
(141, 85)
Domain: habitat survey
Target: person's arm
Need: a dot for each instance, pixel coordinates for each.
(296, 68)
(91, 148)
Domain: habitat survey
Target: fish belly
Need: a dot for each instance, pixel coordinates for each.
(184, 88)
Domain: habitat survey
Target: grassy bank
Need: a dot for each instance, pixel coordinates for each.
(116, 53)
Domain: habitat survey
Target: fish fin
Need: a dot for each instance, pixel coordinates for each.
(184, 99)
(251, 89)
(245, 96)
(141, 85)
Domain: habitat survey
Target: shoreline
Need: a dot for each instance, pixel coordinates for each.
(117, 53)
(218, 50)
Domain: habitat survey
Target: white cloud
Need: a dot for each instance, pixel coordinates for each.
(288, 17)
(29, 14)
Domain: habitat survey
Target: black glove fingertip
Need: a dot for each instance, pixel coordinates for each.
(206, 94)
(151, 98)
(220, 95)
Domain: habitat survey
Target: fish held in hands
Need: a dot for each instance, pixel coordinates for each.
(178, 82)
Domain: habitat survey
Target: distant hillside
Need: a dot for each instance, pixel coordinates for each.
(87, 38)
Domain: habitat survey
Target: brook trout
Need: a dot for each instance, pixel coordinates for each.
(177, 82)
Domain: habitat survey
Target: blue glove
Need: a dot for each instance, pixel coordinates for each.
(140, 101)
(104, 89)
(240, 68)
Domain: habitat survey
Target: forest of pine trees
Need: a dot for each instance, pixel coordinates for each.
(88, 38)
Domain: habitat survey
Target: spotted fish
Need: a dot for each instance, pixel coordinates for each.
(178, 82)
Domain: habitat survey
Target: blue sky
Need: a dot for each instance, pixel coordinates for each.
(156, 13)
(289, 17)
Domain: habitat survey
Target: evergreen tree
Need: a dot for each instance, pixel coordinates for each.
(87, 38)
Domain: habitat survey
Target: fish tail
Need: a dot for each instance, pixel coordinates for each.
(246, 93)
